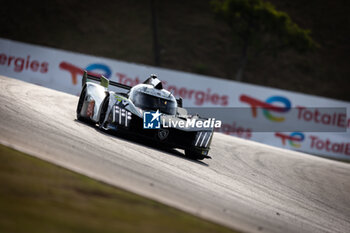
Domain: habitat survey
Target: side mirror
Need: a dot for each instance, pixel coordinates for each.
(179, 102)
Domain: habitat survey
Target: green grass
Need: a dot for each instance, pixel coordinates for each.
(36, 196)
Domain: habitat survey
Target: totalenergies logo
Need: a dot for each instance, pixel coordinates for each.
(95, 68)
(268, 107)
(198, 96)
(293, 139)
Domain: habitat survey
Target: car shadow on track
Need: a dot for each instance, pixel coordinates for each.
(146, 142)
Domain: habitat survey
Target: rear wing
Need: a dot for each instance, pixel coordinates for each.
(103, 81)
(106, 82)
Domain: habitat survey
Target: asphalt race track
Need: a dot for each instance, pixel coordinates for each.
(247, 186)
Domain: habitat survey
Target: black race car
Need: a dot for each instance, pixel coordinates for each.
(147, 110)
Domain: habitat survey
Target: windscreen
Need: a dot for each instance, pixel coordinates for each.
(150, 102)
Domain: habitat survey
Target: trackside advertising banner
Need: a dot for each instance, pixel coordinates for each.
(276, 117)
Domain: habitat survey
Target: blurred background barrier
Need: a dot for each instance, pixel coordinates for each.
(286, 119)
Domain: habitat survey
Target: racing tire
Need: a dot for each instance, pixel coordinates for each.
(194, 155)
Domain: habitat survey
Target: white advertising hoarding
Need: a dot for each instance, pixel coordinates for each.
(277, 117)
